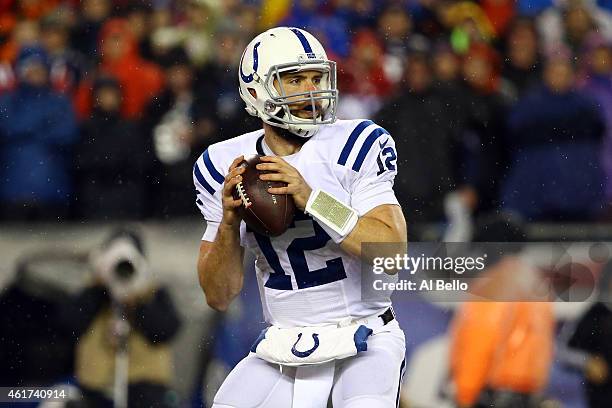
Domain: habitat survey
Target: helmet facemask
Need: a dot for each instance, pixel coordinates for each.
(321, 102)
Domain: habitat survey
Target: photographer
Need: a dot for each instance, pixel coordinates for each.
(123, 325)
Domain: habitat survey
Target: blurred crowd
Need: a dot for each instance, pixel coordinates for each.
(106, 104)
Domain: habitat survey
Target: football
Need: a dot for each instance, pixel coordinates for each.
(265, 213)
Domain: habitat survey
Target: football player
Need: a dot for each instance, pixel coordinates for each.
(309, 276)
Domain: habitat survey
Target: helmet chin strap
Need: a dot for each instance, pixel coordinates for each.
(289, 135)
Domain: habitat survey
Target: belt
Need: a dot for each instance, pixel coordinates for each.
(387, 316)
(373, 321)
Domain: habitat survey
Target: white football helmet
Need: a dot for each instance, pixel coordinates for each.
(281, 50)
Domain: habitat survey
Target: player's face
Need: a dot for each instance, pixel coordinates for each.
(299, 83)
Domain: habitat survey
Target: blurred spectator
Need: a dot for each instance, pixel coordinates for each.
(589, 338)
(169, 126)
(554, 140)
(123, 292)
(445, 64)
(481, 127)
(521, 66)
(68, 67)
(218, 109)
(572, 21)
(394, 27)
(577, 24)
(139, 79)
(502, 344)
(418, 118)
(37, 129)
(481, 67)
(446, 69)
(362, 79)
(597, 83)
(24, 34)
(86, 34)
(138, 16)
(160, 17)
(428, 17)
(468, 24)
(194, 33)
(110, 160)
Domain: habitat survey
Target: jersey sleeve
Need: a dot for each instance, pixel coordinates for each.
(372, 157)
(208, 181)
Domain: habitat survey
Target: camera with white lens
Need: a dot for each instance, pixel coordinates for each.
(120, 264)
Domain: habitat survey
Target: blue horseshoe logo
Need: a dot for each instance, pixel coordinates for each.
(249, 78)
(304, 354)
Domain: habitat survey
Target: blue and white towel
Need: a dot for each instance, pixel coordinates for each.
(299, 346)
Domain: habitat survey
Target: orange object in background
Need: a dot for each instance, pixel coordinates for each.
(502, 345)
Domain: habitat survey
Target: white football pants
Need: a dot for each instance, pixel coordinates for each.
(371, 379)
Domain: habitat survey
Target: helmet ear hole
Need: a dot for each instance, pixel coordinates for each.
(253, 92)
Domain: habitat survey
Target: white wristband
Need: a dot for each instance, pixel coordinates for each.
(335, 217)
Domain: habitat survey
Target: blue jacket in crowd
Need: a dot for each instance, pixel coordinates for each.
(554, 141)
(37, 128)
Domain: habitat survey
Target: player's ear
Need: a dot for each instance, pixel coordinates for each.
(253, 93)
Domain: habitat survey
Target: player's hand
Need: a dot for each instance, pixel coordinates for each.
(283, 171)
(231, 217)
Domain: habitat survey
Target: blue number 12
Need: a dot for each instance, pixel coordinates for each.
(305, 278)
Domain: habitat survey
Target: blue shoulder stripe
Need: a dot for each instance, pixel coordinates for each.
(202, 180)
(367, 145)
(352, 139)
(218, 177)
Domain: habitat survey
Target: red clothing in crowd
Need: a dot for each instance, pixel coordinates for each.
(363, 73)
(139, 80)
(500, 13)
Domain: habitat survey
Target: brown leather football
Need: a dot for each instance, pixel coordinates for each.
(267, 214)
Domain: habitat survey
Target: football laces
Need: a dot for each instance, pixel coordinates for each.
(246, 201)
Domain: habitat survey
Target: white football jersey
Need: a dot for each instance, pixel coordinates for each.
(306, 279)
